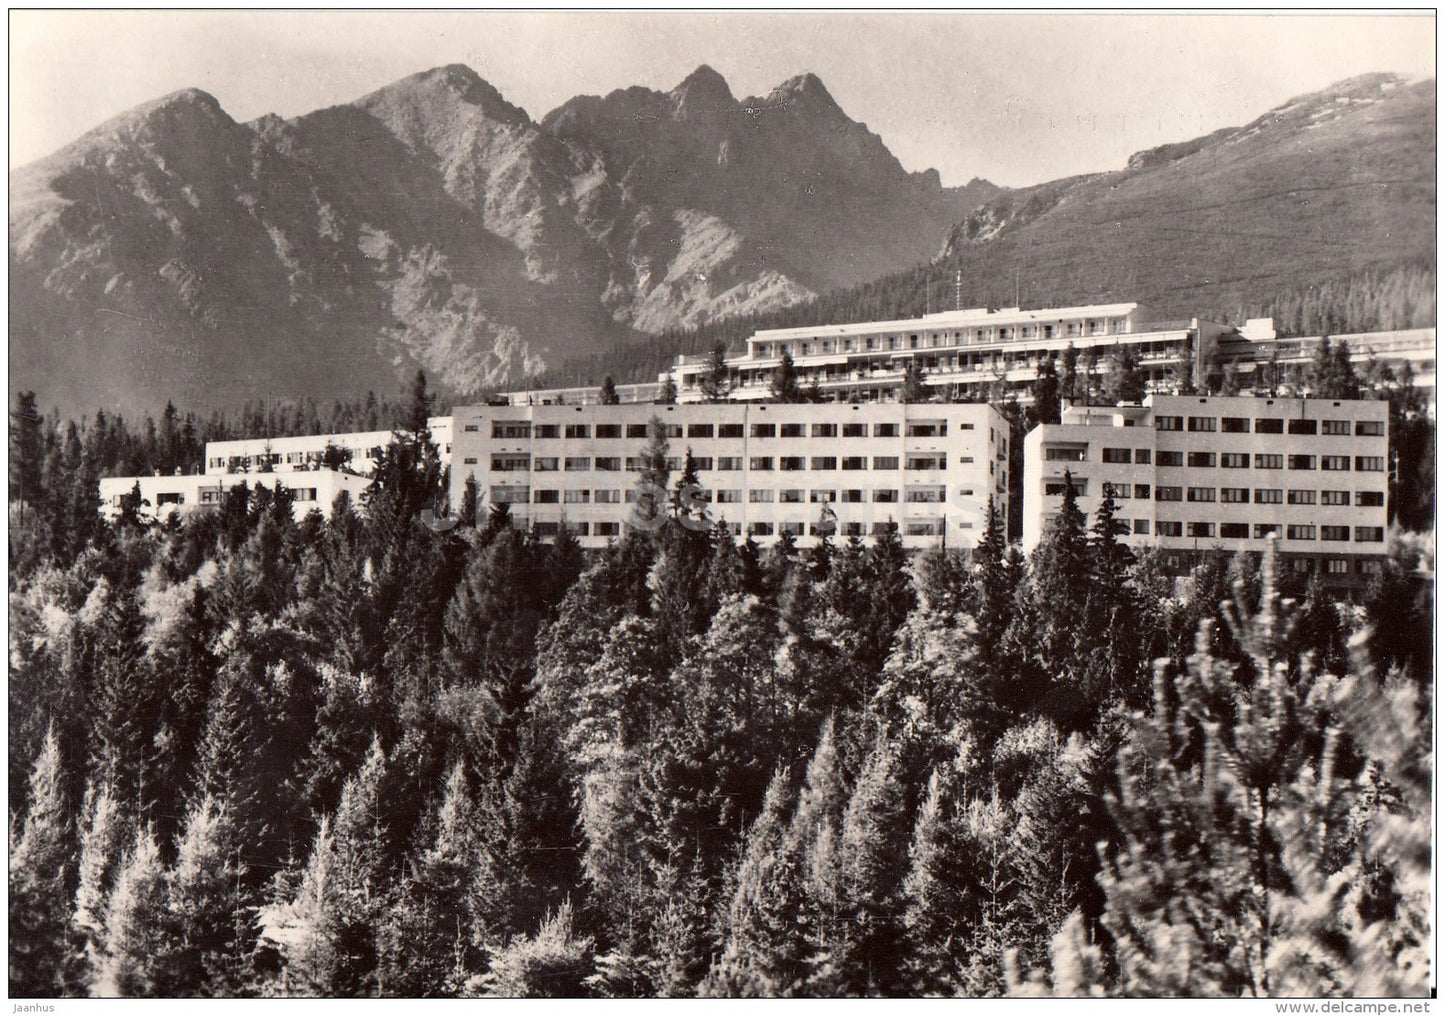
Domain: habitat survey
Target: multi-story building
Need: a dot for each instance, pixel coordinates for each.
(165, 495)
(288, 454)
(1192, 473)
(966, 355)
(764, 470)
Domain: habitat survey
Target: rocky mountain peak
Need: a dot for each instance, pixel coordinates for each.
(451, 83)
(703, 91)
(807, 92)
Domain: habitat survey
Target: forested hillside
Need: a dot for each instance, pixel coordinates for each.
(355, 757)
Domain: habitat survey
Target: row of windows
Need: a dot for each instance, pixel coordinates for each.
(721, 464)
(1271, 425)
(579, 431)
(1263, 530)
(1240, 495)
(734, 495)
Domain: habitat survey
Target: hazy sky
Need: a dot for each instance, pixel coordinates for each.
(1014, 98)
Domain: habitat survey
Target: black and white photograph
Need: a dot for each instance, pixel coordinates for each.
(652, 504)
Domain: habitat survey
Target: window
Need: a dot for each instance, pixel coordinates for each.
(469, 461)
(924, 495)
(1337, 566)
(1370, 428)
(1142, 456)
(791, 430)
(761, 496)
(577, 497)
(927, 430)
(1369, 463)
(790, 528)
(964, 460)
(885, 430)
(1300, 532)
(885, 462)
(791, 496)
(1366, 498)
(760, 528)
(1301, 497)
(729, 430)
(852, 497)
(1169, 493)
(825, 462)
(511, 463)
(729, 463)
(609, 430)
(1171, 459)
(1337, 463)
(1264, 530)
(1267, 496)
(1335, 428)
(1117, 456)
(1335, 498)
(825, 430)
(545, 528)
(1072, 453)
(1263, 461)
(1198, 494)
(1234, 495)
(822, 496)
(607, 463)
(668, 430)
(1116, 490)
(1201, 460)
(923, 527)
(729, 495)
(1234, 530)
(509, 495)
(1234, 460)
(1234, 424)
(1141, 527)
(852, 529)
(576, 465)
(855, 430)
(1168, 423)
(1055, 488)
(1301, 461)
(1371, 567)
(1369, 534)
(760, 462)
(1336, 533)
(699, 430)
(637, 430)
(1269, 426)
(1302, 427)
(605, 529)
(1141, 490)
(855, 462)
(927, 462)
(545, 465)
(764, 430)
(1202, 424)
(635, 464)
(1170, 528)
(544, 497)
(510, 430)
(791, 463)
(578, 431)
(886, 496)
(606, 496)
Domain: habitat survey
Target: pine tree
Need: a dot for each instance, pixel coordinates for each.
(554, 963)
(783, 385)
(608, 396)
(134, 924)
(1046, 391)
(914, 389)
(1125, 380)
(1069, 379)
(41, 862)
(26, 452)
(715, 383)
(667, 396)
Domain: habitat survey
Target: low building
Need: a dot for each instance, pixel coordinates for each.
(764, 470)
(1192, 473)
(291, 454)
(163, 496)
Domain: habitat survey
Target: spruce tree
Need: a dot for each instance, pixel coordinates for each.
(41, 862)
(608, 396)
(134, 924)
(783, 385)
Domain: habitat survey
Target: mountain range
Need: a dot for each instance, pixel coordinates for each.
(176, 253)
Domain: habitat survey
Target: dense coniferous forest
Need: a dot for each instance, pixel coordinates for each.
(355, 756)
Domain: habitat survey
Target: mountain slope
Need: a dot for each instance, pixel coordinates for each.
(174, 253)
(1329, 184)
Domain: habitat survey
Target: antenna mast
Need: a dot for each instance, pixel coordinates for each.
(958, 290)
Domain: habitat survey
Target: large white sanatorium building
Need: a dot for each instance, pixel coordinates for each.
(1191, 473)
(764, 469)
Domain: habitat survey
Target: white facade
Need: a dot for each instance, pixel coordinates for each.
(763, 469)
(291, 454)
(1190, 473)
(182, 493)
(965, 354)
